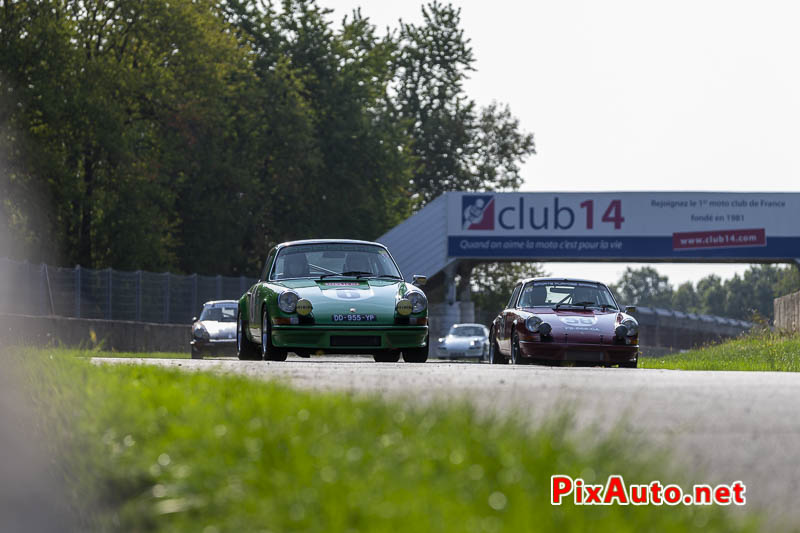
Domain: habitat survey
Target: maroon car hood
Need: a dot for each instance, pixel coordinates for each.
(577, 325)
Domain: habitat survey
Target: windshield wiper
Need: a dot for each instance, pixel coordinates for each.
(356, 273)
(579, 304)
(388, 276)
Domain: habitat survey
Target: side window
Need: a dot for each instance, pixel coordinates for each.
(514, 295)
(268, 263)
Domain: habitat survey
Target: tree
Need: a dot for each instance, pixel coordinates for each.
(457, 146)
(643, 286)
(192, 135)
(493, 283)
(712, 295)
(685, 298)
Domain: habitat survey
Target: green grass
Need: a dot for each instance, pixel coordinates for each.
(143, 355)
(144, 448)
(759, 351)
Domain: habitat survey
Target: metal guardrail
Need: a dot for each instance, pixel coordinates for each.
(40, 289)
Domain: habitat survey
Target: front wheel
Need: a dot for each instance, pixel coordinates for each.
(632, 364)
(495, 357)
(387, 356)
(246, 349)
(416, 355)
(516, 357)
(196, 353)
(268, 351)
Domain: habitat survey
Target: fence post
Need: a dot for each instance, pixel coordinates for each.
(49, 290)
(28, 288)
(194, 295)
(138, 295)
(77, 291)
(42, 289)
(166, 298)
(219, 287)
(109, 313)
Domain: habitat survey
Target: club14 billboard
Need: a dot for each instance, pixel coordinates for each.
(672, 226)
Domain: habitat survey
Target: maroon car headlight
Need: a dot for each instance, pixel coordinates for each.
(632, 326)
(533, 324)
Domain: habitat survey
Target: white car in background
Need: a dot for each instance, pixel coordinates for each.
(464, 341)
(214, 333)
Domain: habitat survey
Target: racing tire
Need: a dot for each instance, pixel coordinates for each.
(516, 357)
(495, 357)
(246, 349)
(196, 354)
(416, 355)
(268, 351)
(386, 356)
(632, 364)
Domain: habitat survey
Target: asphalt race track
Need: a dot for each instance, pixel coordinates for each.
(720, 426)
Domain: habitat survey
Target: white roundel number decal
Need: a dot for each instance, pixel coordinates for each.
(346, 294)
(578, 320)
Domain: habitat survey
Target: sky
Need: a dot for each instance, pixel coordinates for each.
(634, 96)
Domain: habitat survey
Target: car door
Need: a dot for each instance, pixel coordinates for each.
(507, 318)
(253, 302)
(254, 322)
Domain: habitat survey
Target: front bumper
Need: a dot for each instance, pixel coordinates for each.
(579, 352)
(214, 346)
(349, 339)
(454, 353)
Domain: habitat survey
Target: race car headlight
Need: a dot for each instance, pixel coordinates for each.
(287, 301)
(418, 301)
(533, 323)
(474, 343)
(632, 326)
(199, 332)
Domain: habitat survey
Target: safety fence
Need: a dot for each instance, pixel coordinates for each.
(42, 290)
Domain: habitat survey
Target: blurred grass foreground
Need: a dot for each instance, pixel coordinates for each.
(141, 448)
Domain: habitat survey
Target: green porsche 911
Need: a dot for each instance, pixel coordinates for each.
(333, 296)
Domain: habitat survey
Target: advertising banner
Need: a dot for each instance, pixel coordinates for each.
(668, 226)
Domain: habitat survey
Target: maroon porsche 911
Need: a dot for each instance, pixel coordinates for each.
(553, 320)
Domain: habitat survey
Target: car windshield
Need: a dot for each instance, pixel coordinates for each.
(467, 331)
(334, 259)
(219, 313)
(566, 293)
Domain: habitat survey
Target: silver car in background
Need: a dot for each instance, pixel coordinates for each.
(464, 341)
(214, 333)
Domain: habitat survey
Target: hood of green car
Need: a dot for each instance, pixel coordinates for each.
(366, 297)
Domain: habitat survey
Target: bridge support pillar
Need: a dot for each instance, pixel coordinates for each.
(457, 305)
(467, 306)
(450, 284)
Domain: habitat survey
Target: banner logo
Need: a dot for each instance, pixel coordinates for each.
(477, 212)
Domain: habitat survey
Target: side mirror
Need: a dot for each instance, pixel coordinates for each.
(630, 309)
(419, 281)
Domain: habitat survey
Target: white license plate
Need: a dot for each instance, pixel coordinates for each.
(351, 317)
